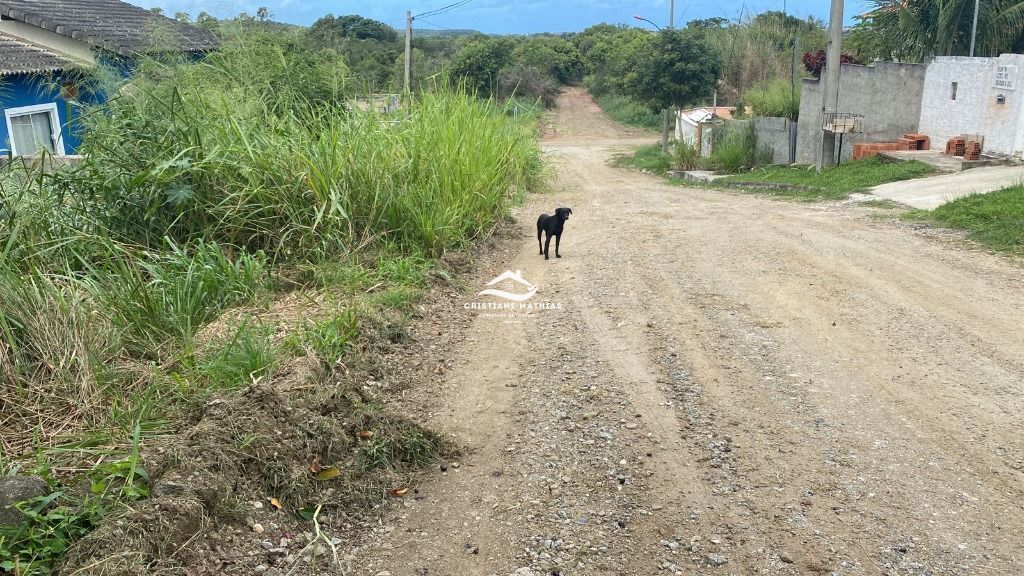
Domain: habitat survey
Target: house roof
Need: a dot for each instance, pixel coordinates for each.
(694, 116)
(20, 57)
(109, 24)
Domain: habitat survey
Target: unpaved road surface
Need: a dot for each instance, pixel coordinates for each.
(718, 383)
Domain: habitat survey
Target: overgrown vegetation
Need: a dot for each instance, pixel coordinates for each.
(735, 149)
(995, 219)
(649, 158)
(131, 285)
(832, 183)
(774, 98)
(627, 111)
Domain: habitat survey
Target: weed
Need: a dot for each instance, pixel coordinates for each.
(686, 155)
(53, 522)
(735, 149)
(995, 219)
(628, 111)
(649, 158)
(241, 360)
(331, 339)
(832, 183)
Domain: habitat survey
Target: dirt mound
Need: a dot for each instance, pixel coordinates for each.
(305, 442)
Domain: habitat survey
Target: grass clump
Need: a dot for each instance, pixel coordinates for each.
(832, 183)
(628, 111)
(649, 158)
(995, 219)
(775, 98)
(686, 155)
(735, 149)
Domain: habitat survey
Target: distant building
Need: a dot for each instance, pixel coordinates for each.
(44, 43)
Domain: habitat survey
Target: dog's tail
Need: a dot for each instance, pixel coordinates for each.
(540, 225)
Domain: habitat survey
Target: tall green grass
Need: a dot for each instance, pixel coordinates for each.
(773, 98)
(735, 149)
(204, 183)
(628, 111)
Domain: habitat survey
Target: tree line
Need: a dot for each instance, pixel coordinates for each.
(753, 62)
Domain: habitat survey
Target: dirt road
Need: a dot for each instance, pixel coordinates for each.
(720, 383)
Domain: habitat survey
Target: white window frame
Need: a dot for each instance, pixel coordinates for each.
(58, 144)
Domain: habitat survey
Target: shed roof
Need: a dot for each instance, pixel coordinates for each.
(20, 57)
(109, 24)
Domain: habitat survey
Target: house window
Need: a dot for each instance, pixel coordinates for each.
(32, 129)
(952, 91)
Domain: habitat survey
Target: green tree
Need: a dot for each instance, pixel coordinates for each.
(206, 21)
(480, 62)
(329, 29)
(182, 17)
(262, 14)
(677, 68)
(551, 55)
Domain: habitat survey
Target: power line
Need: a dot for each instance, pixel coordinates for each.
(444, 9)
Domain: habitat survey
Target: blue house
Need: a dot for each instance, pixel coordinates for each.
(45, 45)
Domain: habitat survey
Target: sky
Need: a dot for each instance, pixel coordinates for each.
(506, 16)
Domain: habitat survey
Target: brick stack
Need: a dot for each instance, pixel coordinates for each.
(956, 146)
(906, 144)
(972, 151)
(921, 142)
(868, 149)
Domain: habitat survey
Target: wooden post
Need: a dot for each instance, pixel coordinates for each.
(664, 130)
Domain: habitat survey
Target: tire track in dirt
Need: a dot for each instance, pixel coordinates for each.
(732, 385)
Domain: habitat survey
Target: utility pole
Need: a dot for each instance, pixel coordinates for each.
(974, 27)
(408, 50)
(666, 112)
(830, 90)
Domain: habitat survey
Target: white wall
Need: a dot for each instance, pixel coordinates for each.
(976, 109)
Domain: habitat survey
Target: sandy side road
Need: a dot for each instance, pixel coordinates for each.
(724, 384)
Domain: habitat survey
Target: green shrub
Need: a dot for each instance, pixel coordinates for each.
(686, 155)
(628, 111)
(774, 98)
(735, 149)
(649, 158)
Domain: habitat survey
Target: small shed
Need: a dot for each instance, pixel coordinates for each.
(691, 124)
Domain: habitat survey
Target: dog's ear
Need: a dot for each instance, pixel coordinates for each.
(570, 210)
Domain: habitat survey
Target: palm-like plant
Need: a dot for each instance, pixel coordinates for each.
(914, 30)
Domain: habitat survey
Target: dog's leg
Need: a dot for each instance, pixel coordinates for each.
(558, 239)
(547, 245)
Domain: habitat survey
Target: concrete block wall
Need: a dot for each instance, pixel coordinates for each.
(774, 133)
(887, 94)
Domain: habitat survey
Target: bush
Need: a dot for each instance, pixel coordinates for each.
(775, 98)
(735, 148)
(628, 111)
(686, 155)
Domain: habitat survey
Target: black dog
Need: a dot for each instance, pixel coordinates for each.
(552, 226)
